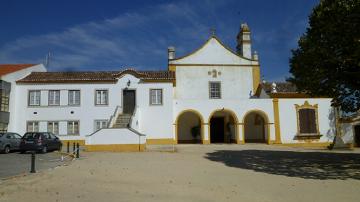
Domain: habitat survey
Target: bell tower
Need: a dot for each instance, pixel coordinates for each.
(244, 42)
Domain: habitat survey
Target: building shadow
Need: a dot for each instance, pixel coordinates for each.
(307, 165)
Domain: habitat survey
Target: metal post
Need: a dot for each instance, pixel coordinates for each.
(68, 147)
(33, 162)
(77, 151)
(74, 148)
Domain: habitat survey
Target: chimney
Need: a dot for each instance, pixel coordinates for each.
(171, 52)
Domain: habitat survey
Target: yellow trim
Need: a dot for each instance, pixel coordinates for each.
(306, 105)
(201, 123)
(256, 77)
(307, 144)
(160, 141)
(207, 41)
(172, 67)
(81, 142)
(233, 114)
(116, 147)
(267, 127)
(277, 121)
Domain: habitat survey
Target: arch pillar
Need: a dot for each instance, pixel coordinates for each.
(206, 137)
(240, 132)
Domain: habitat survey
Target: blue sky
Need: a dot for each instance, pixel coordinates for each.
(111, 35)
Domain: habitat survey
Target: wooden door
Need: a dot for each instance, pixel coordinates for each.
(128, 101)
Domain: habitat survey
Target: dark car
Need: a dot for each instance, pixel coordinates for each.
(40, 141)
(9, 142)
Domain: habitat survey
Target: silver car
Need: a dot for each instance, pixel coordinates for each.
(9, 142)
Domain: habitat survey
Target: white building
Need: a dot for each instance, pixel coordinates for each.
(212, 95)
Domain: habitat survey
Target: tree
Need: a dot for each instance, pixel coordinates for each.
(326, 62)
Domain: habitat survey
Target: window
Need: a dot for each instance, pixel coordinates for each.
(73, 128)
(34, 98)
(99, 124)
(3, 127)
(74, 97)
(215, 90)
(4, 102)
(32, 126)
(101, 97)
(156, 96)
(54, 97)
(53, 127)
(307, 120)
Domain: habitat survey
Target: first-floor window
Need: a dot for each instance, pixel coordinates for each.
(4, 100)
(3, 127)
(214, 90)
(156, 96)
(53, 127)
(99, 124)
(73, 128)
(307, 121)
(74, 97)
(54, 97)
(32, 126)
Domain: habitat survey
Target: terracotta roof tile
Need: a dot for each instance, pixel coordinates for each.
(103, 76)
(10, 68)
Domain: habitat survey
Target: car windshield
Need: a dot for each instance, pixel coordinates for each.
(30, 136)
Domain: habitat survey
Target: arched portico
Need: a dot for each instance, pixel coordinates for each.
(189, 127)
(256, 127)
(223, 126)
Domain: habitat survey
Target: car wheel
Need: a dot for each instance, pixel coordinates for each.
(44, 150)
(7, 150)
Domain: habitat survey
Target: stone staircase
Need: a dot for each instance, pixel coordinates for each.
(122, 121)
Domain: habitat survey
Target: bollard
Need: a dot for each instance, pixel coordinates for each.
(68, 147)
(77, 150)
(33, 162)
(74, 148)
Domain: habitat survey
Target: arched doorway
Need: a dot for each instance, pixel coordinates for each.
(223, 127)
(255, 127)
(189, 127)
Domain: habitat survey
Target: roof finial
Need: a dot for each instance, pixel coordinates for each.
(212, 31)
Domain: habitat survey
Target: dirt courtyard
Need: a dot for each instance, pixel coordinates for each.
(197, 173)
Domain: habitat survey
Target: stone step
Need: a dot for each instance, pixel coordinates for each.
(119, 126)
(161, 148)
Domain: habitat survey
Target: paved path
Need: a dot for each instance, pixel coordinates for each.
(198, 173)
(16, 164)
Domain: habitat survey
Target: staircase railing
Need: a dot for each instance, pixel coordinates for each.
(113, 117)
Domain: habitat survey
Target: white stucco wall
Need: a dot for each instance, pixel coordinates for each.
(288, 119)
(158, 118)
(114, 136)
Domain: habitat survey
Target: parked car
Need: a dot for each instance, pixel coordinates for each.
(40, 142)
(9, 142)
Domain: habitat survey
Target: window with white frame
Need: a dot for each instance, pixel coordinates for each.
(53, 126)
(74, 97)
(34, 98)
(32, 126)
(101, 97)
(99, 124)
(214, 90)
(156, 96)
(73, 128)
(54, 97)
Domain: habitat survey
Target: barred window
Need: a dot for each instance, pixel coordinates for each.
(215, 90)
(3, 127)
(74, 97)
(73, 128)
(34, 98)
(53, 127)
(32, 126)
(54, 97)
(156, 96)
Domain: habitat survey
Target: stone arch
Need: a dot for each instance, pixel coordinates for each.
(186, 123)
(223, 126)
(256, 127)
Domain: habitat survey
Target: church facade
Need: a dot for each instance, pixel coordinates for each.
(212, 95)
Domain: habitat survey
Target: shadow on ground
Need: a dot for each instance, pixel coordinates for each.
(308, 165)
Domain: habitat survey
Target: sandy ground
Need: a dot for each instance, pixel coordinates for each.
(197, 173)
